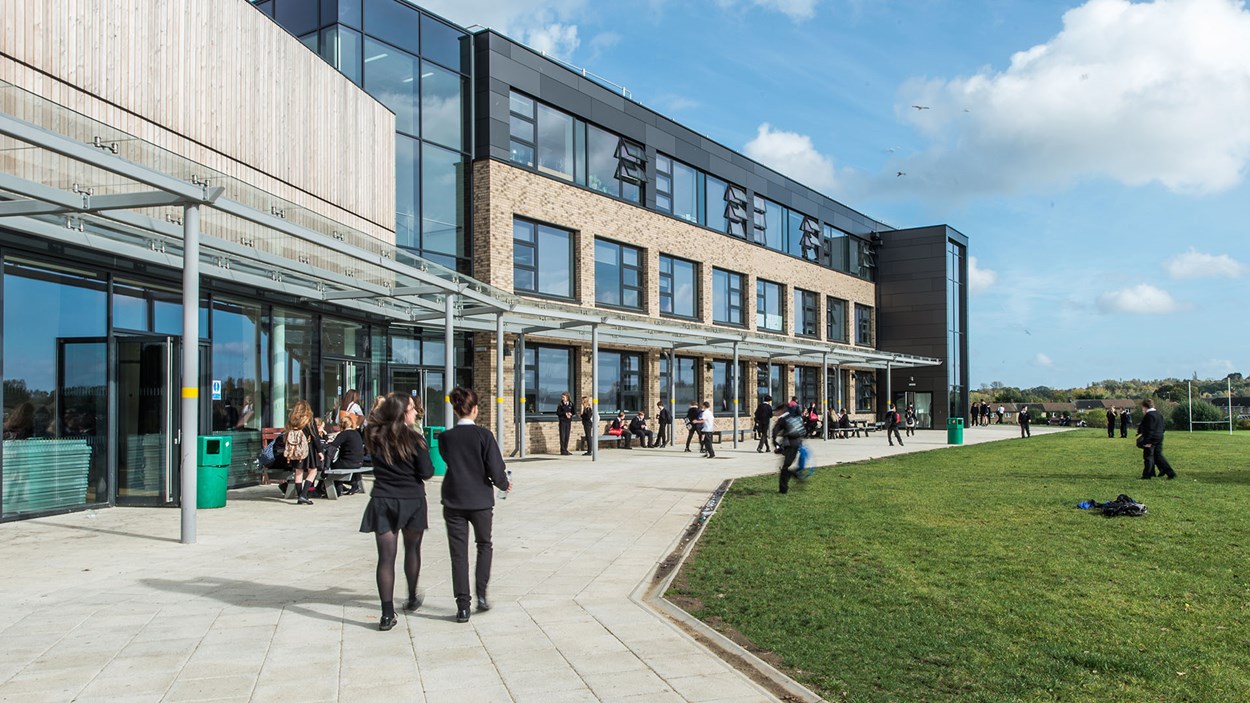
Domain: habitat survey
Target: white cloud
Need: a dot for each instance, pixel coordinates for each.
(543, 25)
(1195, 264)
(794, 9)
(1043, 360)
(1142, 299)
(980, 279)
(792, 154)
(1138, 92)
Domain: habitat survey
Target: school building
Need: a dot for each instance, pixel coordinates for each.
(357, 194)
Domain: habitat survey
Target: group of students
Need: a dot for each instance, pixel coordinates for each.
(307, 446)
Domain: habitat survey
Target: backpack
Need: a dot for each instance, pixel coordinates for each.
(267, 457)
(1123, 506)
(897, 418)
(794, 427)
(296, 446)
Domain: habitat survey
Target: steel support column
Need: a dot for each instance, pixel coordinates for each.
(672, 396)
(594, 391)
(734, 380)
(449, 358)
(824, 393)
(519, 362)
(190, 367)
(499, 397)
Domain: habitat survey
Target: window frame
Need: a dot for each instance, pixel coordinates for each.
(622, 267)
(762, 286)
(863, 325)
(806, 314)
(865, 392)
(536, 291)
(536, 349)
(730, 289)
(669, 273)
(618, 403)
(830, 306)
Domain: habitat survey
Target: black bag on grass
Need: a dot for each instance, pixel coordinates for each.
(1123, 506)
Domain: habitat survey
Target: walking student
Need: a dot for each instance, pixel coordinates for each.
(1111, 417)
(791, 431)
(401, 466)
(564, 413)
(1126, 416)
(892, 421)
(588, 425)
(763, 416)
(692, 424)
(474, 464)
(707, 425)
(665, 419)
(1022, 417)
(909, 419)
(1150, 439)
(302, 449)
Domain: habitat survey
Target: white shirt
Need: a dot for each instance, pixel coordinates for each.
(709, 422)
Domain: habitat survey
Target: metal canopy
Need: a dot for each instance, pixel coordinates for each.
(320, 259)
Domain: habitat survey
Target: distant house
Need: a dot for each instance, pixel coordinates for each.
(1058, 408)
(1241, 406)
(1103, 403)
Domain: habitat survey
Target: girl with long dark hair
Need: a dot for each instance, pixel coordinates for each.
(401, 466)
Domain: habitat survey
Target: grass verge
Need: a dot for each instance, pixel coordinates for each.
(968, 574)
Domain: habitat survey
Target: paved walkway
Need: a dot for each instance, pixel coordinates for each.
(277, 602)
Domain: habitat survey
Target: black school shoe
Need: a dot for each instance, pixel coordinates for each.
(387, 622)
(462, 615)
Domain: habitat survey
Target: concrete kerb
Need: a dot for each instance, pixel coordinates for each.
(650, 594)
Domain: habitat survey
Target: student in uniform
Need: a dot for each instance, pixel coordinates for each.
(588, 425)
(564, 414)
(1150, 439)
(763, 416)
(1111, 418)
(891, 425)
(665, 419)
(692, 424)
(638, 428)
(707, 425)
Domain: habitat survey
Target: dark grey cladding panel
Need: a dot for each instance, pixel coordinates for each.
(497, 43)
(637, 111)
(691, 154)
(561, 94)
(616, 121)
(726, 169)
(529, 59)
(524, 78)
(660, 140)
(910, 285)
(499, 137)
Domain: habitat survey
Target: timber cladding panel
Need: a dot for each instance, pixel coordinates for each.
(218, 83)
(504, 191)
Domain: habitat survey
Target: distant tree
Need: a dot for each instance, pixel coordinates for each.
(1174, 392)
(1203, 412)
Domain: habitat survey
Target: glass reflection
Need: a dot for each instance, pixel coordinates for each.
(442, 106)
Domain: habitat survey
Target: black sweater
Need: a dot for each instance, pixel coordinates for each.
(351, 449)
(405, 478)
(474, 463)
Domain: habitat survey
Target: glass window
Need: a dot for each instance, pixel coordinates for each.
(679, 287)
(442, 106)
(344, 338)
(768, 381)
(805, 324)
(297, 16)
(442, 210)
(716, 206)
(390, 76)
(863, 324)
(55, 389)
(663, 183)
(618, 275)
(794, 232)
(687, 390)
(290, 361)
(774, 223)
(768, 306)
(726, 297)
(807, 385)
(521, 127)
(686, 193)
(407, 192)
(835, 246)
(722, 388)
(444, 44)
(835, 320)
(542, 259)
(620, 382)
(137, 306)
(394, 22)
(601, 161)
(548, 373)
(340, 47)
(239, 348)
(865, 392)
(348, 11)
(555, 142)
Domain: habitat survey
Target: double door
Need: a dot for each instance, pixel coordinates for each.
(423, 383)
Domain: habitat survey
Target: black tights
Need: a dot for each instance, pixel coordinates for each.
(388, 545)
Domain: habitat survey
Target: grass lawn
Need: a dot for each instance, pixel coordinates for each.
(967, 573)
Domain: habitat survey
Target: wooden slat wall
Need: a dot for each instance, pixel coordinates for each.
(218, 83)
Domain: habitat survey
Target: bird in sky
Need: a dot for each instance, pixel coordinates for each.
(921, 107)
(900, 173)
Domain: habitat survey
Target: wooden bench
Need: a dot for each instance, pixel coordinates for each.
(610, 438)
(719, 435)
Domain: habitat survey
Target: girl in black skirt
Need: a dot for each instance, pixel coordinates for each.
(401, 465)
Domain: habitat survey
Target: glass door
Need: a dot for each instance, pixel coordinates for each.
(426, 384)
(924, 407)
(147, 421)
(337, 377)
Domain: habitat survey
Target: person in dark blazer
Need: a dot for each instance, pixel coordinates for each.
(300, 421)
(564, 415)
(665, 429)
(1022, 417)
(401, 466)
(763, 416)
(638, 428)
(474, 465)
(1150, 439)
(1111, 417)
(619, 426)
(892, 421)
(588, 424)
(348, 452)
(1126, 416)
(692, 424)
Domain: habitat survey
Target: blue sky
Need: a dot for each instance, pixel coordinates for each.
(1094, 153)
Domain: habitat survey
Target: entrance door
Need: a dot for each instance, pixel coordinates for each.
(337, 377)
(426, 384)
(923, 403)
(147, 421)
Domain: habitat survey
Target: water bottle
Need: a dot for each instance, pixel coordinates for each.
(503, 494)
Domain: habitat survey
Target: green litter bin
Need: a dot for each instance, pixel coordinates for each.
(955, 430)
(432, 434)
(212, 472)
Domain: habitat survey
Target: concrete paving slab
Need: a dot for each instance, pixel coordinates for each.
(107, 605)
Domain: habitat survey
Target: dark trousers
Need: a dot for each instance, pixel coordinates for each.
(1024, 430)
(892, 434)
(763, 444)
(705, 441)
(661, 437)
(1123, 429)
(566, 428)
(789, 453)
(694, 430)
(1152, 458)
(646, 438)
(589, 429)
(1111, 429)
(458, 522)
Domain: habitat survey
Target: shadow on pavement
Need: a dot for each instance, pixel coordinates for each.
(250, 594)
(119, 533)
